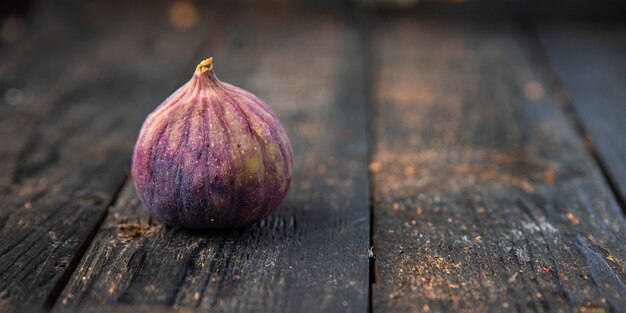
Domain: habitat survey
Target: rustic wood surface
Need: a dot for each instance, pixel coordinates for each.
(438, 140)
(590, 63)
(484, 198)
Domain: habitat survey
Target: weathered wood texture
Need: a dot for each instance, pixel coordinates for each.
(484, 198)
(590, 62)
(88, 75)
(311, 254)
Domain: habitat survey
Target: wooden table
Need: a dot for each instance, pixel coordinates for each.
(442, 163)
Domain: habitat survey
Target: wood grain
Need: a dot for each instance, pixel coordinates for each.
(590, 61)
(484, 198)
(88, 80)
(311, 254)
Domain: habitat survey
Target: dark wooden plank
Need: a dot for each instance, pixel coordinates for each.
(311, 254)
(484, 198)
(66, 150)
(31, 84)
(590, 62)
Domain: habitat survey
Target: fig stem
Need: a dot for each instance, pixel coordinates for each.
(205, 66)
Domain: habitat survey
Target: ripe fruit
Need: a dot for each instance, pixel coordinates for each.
(212, 156)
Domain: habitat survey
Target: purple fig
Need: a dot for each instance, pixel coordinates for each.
(212, 156)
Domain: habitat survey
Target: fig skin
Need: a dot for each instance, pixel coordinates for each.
(212, 155)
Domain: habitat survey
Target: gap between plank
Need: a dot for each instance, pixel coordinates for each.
(364, 22)
(59, 286)
(539, 60)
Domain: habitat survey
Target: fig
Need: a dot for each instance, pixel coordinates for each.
(212, 155)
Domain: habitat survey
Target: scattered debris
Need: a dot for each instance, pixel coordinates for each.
(572, 218)
(374, 167)
(370, 253)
